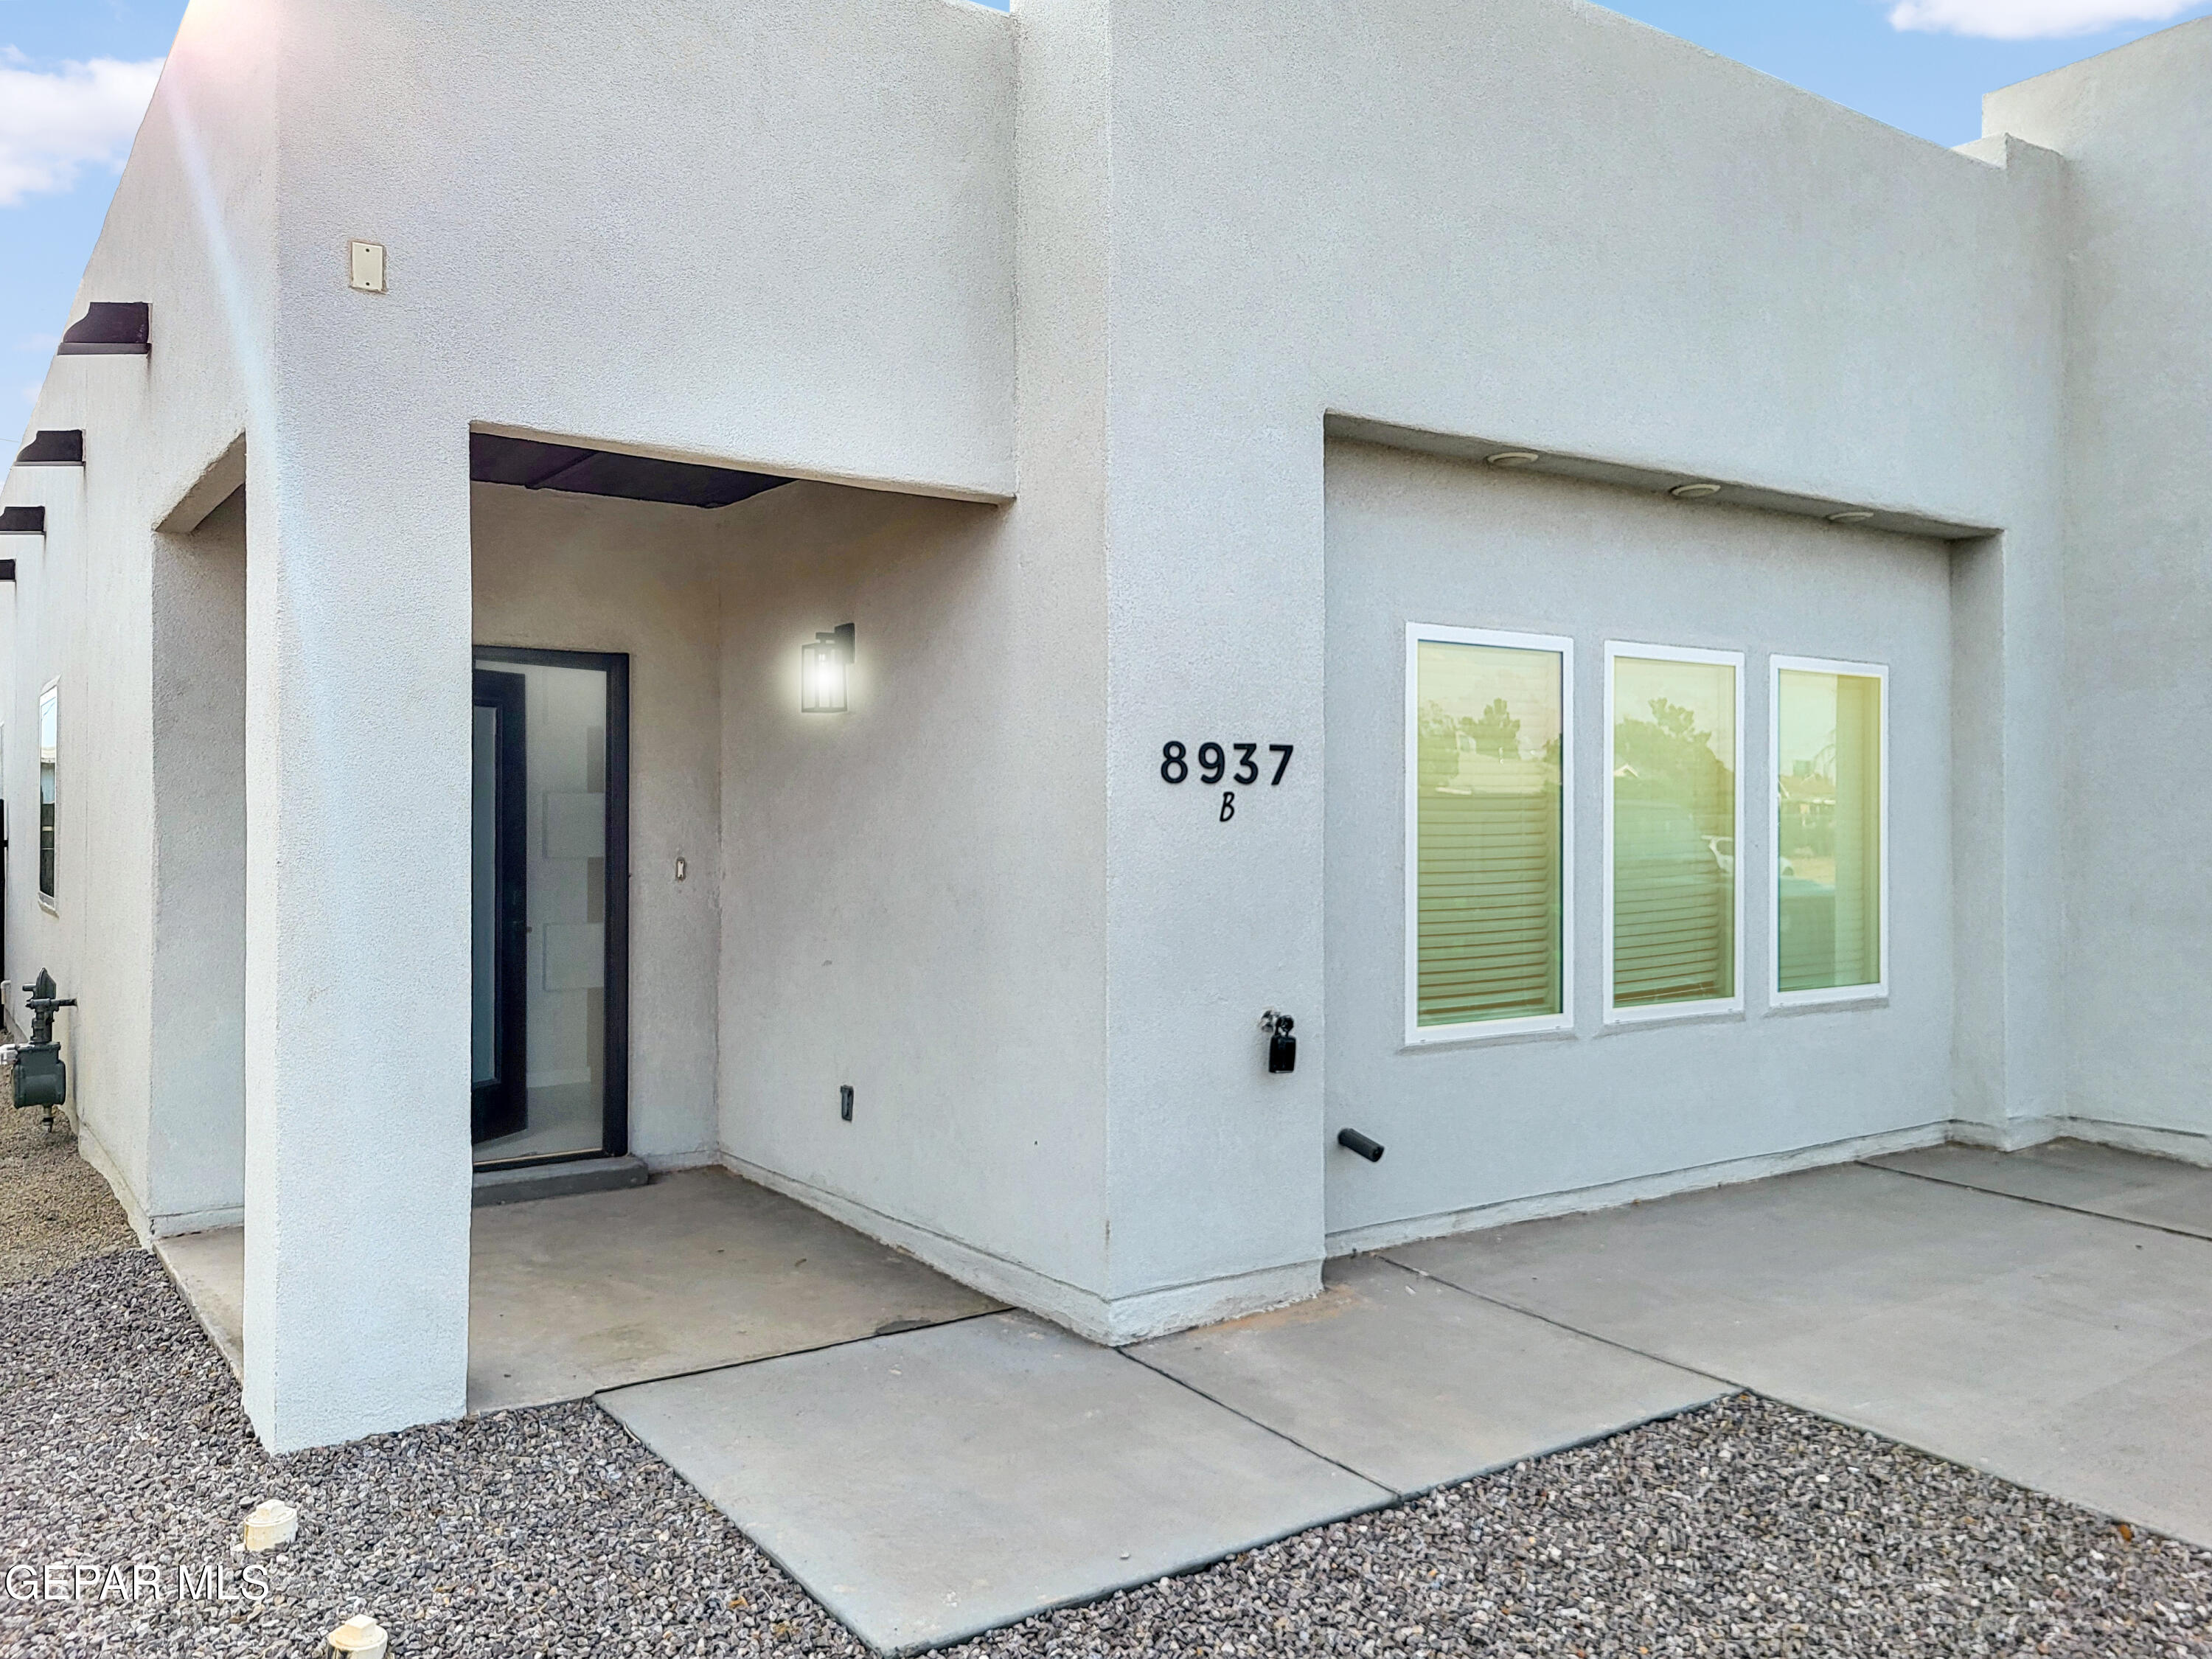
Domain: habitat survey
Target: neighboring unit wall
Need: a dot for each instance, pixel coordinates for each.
(1414, 539)
(910, 890)
(577, 572)
(189, 232)
(2136, 127)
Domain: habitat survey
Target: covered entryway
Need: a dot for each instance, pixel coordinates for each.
(633, 639)
(597, 607)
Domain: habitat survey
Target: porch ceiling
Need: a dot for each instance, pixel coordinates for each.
(575, 471)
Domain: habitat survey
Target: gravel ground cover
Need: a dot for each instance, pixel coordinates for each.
(1744, 1529)
(54, 1208)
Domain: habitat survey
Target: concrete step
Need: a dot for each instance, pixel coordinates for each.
(583, 1175)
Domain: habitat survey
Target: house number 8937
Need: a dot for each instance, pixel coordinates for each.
(1212, 763)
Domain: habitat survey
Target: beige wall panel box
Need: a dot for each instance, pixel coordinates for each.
(273, 1524)
(368, 266)
(359, 1638)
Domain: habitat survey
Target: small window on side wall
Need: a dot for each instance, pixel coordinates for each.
(1489, 834)
(1830, 807)
(48, 743)
(1673, 820)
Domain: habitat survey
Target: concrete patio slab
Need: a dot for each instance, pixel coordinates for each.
(930, 1485)
(568, 1295)
(2076, 1174)
(1413, 1383)
(210, 1268)
(2061, 1350)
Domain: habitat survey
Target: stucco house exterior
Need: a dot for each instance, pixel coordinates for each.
(1652, 616)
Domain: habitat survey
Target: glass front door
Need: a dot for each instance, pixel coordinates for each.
(551, 897)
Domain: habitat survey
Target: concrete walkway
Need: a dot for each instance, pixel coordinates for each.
(928, 1486)
(2074, 1175)
(2022, 1314)
(2044, 1316)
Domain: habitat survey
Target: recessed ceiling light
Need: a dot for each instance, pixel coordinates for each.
(1515, 458)
(1691, 492)
(1851, 515)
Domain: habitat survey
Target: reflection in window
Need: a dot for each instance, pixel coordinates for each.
(49, 739)
(1490, 944)
(1827, 839)
(1674, 802)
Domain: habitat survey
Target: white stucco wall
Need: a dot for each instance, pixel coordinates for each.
(759, 233)
(2136, 127)
(1547, 225)
(909, 899)
(916, 891)
(196, 1161)
(1414, 539)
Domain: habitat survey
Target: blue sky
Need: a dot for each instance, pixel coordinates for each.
(72, 70)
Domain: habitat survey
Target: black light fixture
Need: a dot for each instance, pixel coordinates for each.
(824, 668)
(53, 449)
(22, 521)
(109, 328)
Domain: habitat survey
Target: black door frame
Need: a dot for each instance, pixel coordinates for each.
(498, 1107)
(615, 1004)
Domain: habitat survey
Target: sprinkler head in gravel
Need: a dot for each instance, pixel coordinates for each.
(360, 1636)
(273, 1524)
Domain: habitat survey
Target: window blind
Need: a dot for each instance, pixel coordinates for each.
(1488, 841)
(1673, 744)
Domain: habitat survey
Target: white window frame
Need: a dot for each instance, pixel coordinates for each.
(1709, 1006)
(1826, 996)
(1419, 1035)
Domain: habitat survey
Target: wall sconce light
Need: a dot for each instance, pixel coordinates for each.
(824, 668)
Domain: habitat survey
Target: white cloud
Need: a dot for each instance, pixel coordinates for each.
(55, 122)
(2029, 20)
